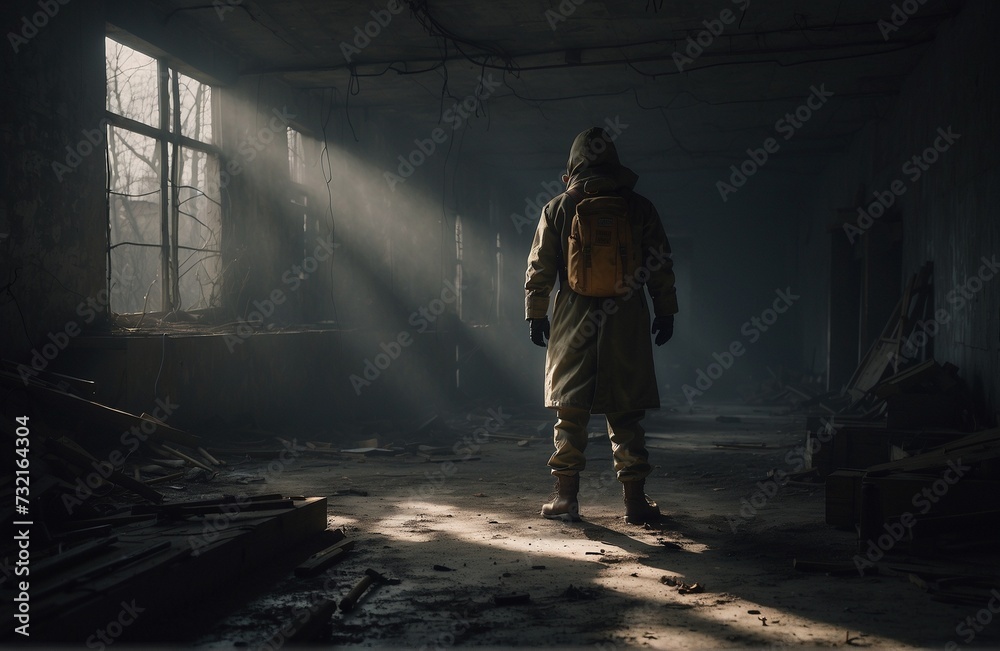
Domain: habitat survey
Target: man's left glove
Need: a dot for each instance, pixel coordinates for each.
(539, 330)
(663, 328)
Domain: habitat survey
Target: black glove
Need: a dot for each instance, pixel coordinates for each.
(663, 328)
(539, 330)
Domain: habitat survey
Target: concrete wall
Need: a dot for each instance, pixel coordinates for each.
(395, 252)
(950, 214)
(296, 381)
(52, 219)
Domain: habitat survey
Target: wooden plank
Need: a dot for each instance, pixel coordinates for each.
(72, 555)
(974, 447)
(326, 557)
(84, 461)
(56, 381)
(191, 460)
(142, 509)
(907, 378)
(910, 498)
(884, 349)
(178, 576)
(857, 386)
(119, 558)
(85, 411)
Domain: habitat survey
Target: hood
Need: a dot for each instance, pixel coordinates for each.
(593, 155)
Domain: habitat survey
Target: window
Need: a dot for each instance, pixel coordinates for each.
(164, 208)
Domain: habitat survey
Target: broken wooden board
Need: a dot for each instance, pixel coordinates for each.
(200, 554)
(971, 448)
(50, 379)
(855, 447)
(371, 452)
(907, 378)
(97, 415)
(324, 558)
(886, 347)
(924, 495)
(450, 459)
(88, 465)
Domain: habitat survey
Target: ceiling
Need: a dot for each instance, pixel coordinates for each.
(556, 68)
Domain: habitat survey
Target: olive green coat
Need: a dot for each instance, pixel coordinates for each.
(599, 354)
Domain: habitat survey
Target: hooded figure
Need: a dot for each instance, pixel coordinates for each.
(600, 358)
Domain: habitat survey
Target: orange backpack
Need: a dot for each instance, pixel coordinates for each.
(600, 255)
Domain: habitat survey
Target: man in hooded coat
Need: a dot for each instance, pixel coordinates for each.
(599, 358)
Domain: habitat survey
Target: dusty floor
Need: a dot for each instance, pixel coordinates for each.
(598, 583)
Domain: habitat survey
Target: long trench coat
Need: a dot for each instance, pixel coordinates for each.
(599, 354)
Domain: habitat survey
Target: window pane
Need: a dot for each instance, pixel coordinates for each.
(199, 227)
(196, 108)
(296, 156)
(131, 83)
(134, 219)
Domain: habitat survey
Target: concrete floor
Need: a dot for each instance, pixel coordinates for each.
(598, 583)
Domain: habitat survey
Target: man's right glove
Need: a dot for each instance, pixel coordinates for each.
(539, 330)
(663, 328)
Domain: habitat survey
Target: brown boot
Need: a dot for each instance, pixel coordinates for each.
(565, 506)
(639, 509)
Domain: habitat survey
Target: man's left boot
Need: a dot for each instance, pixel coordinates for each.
(639, 509)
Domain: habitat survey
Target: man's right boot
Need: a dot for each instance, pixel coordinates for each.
(565, 506)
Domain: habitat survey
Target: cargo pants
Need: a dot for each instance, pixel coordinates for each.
(628, 443)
